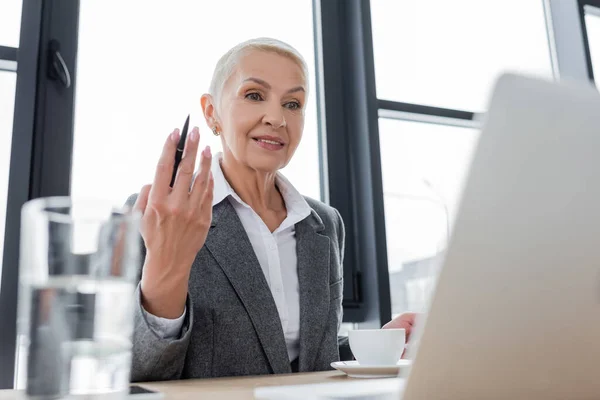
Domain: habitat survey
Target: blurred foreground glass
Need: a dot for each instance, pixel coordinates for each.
(78, 266)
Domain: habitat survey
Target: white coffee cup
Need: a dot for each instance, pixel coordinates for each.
(377, 346)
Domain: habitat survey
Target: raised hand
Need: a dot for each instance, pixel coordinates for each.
(174, 225)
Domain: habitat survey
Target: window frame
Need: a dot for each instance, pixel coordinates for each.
(583, 5)
(8, 59)
(569, 50)
(41, 148)
(347, 80)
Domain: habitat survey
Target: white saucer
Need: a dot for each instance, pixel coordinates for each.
(354, 370)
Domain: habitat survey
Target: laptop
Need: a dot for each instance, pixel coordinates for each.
(516, 309)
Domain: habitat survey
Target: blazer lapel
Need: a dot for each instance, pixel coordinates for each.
(313, 254)
(228, 243)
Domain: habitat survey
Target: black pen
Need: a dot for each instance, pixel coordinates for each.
(179, 151)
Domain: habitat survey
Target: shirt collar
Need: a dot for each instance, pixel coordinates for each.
(296, 205)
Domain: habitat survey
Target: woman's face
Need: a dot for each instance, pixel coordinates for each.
(261, 111)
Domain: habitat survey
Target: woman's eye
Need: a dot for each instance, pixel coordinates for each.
(254, 96)
(293, 105)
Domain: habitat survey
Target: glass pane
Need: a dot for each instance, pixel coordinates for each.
(592, 24)
(10, 22)
(135, 85)
(8, 83)
(423, 168)
(448, 53)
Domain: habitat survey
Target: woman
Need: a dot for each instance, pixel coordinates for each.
(242, 275)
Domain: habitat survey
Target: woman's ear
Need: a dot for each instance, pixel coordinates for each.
(210, 111)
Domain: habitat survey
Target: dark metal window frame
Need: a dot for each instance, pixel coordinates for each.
(348, 108)
(8, 59)
(41, 148)
(582, 4)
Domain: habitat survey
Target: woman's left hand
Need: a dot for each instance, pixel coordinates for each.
(404, 321)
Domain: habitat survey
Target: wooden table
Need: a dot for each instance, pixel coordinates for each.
(241, 388)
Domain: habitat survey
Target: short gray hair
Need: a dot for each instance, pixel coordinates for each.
(228, 61)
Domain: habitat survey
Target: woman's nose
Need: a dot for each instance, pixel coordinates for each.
(274, 116)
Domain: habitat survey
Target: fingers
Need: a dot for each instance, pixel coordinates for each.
(202, 178)
(183, 181)
(406, 348)
(164, 169)
(207, 201)
(142, 200)
(404, 321)
(408, 331)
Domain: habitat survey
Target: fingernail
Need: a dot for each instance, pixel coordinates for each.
(194, 136)
(175, 135)
(206, 152)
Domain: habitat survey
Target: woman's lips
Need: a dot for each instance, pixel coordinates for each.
(268, 144)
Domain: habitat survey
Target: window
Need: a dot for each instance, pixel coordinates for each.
(447, 53)
(135, 85)
(435, 65)
(8, 82)
(423, 169)
(592, 25)
(10, 22)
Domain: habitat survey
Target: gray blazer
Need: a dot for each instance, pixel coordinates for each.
(232, 326)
